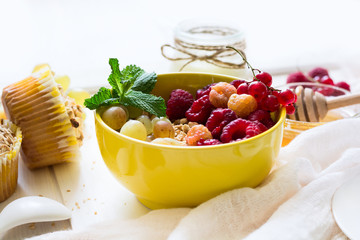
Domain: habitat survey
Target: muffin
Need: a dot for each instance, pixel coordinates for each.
(10, 141)
(50, 121)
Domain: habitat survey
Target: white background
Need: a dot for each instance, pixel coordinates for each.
(78, 37)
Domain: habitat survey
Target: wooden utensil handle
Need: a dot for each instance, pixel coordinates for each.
(343, 101)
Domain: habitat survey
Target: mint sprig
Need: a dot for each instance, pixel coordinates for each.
(131, 87)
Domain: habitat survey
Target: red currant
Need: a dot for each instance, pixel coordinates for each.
(265, 78)
(243, 88)
(258, 90)
(286, 97)
(237, 82)
(290, 109)
(270, 103)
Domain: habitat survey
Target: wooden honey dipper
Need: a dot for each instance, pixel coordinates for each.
(313, 106)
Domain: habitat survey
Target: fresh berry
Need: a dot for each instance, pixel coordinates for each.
(240, 129)
(261, 116)
(237, 82)
(270, 103)
(200, 110)
(196, 133)
(255, 128)
(326, 80)
(179, 102)
(206, 142)
(243, 88)
(258, 90)
(242, 104)
(318, 72)
(218, 119)
(220, 93)
(258, 115)
(286, 97)
(290, 109)
(268, 122)
(343, 85)
(204, 91)
(265, 78)
(163, 129)
(297, 77)
(326, 91)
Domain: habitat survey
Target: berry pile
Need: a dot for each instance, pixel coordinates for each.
(227, 112)
(318, 75)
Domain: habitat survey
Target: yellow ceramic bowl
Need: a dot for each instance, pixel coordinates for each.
(163, 176)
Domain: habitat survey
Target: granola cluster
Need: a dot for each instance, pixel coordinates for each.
(182, 126)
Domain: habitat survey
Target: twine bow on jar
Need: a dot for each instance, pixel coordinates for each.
(212, 54)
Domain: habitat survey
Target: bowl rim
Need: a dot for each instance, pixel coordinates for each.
(281, 120)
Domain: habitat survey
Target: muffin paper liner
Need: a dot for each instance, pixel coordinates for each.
(36, 105)
(9, 164)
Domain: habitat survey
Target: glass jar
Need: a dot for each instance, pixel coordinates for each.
(200, 46)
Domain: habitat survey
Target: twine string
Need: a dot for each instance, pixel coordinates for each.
(218, 52)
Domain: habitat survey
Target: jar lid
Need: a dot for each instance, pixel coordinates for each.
(208, 32)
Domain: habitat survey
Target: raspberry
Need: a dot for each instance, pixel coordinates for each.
(242, 104)
(318, 72)
(268, 123)
(204, 91)
(241, 129)
(237, 82)
(218, 119)
(179, 102)
(255, 128)
(261, 116)
(220, 93)
(205, 142)
(343, 85)
(200, 110)
(297, 77)
(326, 80)
(196, 133)
(326, 91)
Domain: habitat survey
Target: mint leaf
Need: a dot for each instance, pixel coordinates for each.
(130, 86)
(130, 72)
(128, 76)
(145, 82)
(115, 76)
(147, 102)
(101, 98)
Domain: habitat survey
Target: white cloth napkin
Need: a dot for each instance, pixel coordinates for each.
(294, 202)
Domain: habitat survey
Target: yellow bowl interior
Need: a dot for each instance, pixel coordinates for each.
(163, 176)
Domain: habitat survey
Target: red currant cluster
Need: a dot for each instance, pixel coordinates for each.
(318, 75)
(268, 98)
